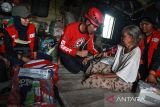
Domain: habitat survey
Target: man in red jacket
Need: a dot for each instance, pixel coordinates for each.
(150, 48)
(77, 41)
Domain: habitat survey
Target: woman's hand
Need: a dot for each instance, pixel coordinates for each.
(25, 59)
(110, 52)
(151, 79)
(107, 54)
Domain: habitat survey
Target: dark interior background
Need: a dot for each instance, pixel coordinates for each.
(125, 11)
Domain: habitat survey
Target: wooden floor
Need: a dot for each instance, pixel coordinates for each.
(73, 94)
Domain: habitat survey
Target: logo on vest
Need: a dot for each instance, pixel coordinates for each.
(79, 42)
(155, 39)
(32, 35)
(13, 36)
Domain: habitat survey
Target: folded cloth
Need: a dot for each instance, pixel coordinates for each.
(22, 41)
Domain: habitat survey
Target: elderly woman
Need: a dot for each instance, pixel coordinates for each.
(123, 72)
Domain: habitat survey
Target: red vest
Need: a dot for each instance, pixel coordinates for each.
(153, 41)
(30, 33)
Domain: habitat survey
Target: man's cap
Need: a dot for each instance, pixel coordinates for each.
(21, 11)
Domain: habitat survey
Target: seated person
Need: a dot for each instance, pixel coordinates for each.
(20, 42)
(150, 49)
(77, 41)
(121, 75)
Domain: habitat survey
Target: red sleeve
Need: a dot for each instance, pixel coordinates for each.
(65, 42)
(141, 46)
(91, 47)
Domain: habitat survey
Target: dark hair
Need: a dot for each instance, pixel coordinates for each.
(134, 31)
(147, 19)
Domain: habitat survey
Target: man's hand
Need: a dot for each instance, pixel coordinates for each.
(83, 53)
(151, 79)
(85, 61)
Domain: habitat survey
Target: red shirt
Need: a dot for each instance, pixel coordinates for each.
(73, 39)
(153, 41)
